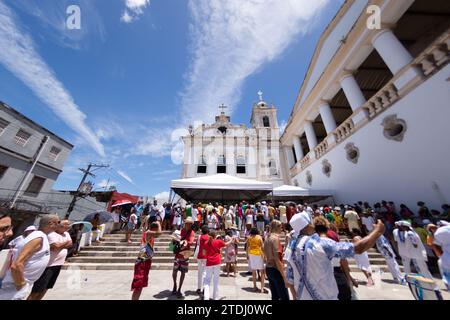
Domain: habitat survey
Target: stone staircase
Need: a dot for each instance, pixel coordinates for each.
(113, 253)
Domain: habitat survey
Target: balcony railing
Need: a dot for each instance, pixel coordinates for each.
(305, 161)
(435, 55)
(321, 149)
(381, 100)
(344, 130)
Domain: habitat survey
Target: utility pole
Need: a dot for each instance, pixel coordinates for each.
(87, 172)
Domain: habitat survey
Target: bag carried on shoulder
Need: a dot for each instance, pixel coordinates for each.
(146, 252)
(174, 247)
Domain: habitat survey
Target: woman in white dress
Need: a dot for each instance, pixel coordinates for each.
(362, 260)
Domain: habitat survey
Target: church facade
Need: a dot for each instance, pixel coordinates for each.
(237, 150)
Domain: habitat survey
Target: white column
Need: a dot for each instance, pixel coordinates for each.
(289, 156)
(352, 91)
(298, 148)
(310, 135)
(327, 117)
(391, 50)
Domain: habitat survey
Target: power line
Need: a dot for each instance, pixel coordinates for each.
(77, 193)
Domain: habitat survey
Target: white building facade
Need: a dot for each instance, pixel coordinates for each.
(223, 147)
(371, 119)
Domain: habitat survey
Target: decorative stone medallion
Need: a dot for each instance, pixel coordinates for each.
(394, 128)
(352, 152)
(326, 168)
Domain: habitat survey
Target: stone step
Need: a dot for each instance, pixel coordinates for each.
(137, 243)
(110, 248)
(131, 254)
(131, 259)
(169, 266)
(167, 258)
(375, 257)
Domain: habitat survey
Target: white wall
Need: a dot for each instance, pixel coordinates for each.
(403, 172)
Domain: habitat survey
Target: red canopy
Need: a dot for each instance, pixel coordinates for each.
(119, 197)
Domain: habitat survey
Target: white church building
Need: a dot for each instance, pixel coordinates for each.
(371, 121)
(236, 150)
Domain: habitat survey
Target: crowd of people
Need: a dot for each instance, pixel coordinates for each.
(312, 263)
(35, 258)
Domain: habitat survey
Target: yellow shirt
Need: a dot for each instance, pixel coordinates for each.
(254, 245)
(423, 234)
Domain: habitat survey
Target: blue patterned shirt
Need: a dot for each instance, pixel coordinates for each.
(309, 266)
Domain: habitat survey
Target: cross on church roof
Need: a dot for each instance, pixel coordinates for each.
(223, 107)
(260, 94)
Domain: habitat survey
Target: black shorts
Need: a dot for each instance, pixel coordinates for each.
(47, 280)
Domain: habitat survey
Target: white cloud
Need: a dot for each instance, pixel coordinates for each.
(283, 126)
(125, 176)
(231, 40)
(18, 55)
(126, 17)
(134, 8)
(156, 144)
(106, 184)
(163, 196)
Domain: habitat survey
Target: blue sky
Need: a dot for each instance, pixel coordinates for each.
(122, 88)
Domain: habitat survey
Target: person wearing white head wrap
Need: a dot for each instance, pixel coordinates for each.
(309, 271)
(411, 249)
(442, 223)
(442, 242)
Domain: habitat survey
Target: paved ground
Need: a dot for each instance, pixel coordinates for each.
(115, 285)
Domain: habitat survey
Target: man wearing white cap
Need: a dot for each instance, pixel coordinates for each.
(309, 267)
(411, 249)
(17, 242)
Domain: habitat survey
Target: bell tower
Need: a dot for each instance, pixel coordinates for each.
(263, 115)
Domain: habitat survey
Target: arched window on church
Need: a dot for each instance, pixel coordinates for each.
(201, 167)
(240, 165)
(266, 122)
(273, 168)
(221, 165)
